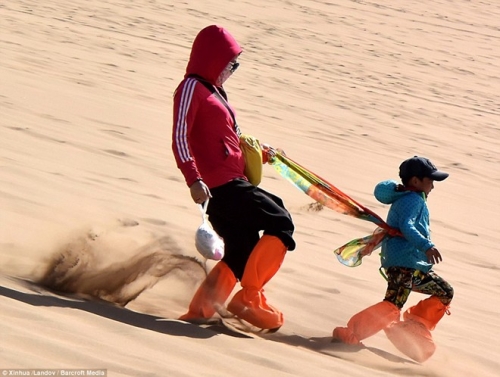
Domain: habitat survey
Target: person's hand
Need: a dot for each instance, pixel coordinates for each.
(268, 153)
(433, 255)
(200, 192)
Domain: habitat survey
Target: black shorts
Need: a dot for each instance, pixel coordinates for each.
(238, 212)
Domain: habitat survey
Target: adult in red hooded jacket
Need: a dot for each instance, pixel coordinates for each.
(205, 143)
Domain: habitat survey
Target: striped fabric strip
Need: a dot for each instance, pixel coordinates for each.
(323, 192)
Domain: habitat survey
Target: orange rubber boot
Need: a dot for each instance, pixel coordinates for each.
(250, 303)
(367, 323)
(214, 291)
(413, 336)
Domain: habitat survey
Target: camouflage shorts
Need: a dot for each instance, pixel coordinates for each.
(401, 281)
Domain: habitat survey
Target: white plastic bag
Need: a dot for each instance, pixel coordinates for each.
(207, 241)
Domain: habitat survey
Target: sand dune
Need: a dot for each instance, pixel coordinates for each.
(92, 203)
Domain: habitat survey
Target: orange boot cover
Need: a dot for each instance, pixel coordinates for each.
(367, 323)
(250, 303)
(428, 311)
(214, 291)
(413, 336)
(413, 339)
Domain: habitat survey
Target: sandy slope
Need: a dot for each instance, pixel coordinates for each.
(347, 88)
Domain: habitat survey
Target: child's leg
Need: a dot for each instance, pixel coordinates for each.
(431, 310)
(434, 285)
(412, 336)
(381, 315)
(367, 322)
(399, 285)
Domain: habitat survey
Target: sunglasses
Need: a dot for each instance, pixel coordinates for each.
(234, 66)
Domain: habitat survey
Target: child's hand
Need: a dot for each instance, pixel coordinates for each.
(433, 255)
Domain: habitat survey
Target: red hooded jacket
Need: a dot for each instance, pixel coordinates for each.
(204, 140)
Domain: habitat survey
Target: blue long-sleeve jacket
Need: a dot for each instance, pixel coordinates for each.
(409, 214)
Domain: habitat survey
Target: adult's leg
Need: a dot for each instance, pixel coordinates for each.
(252, 210)
(213, 292)
(238, 244)
(220, 282)
(250, 302)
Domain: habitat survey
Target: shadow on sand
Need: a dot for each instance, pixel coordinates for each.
(174, 327)
(326, 346)
(119, 314)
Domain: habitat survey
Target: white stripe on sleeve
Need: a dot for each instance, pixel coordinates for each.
(181, 127)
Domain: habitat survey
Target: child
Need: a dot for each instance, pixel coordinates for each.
(408, 262)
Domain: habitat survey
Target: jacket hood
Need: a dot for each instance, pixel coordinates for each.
(212, 50)
(386, 193)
